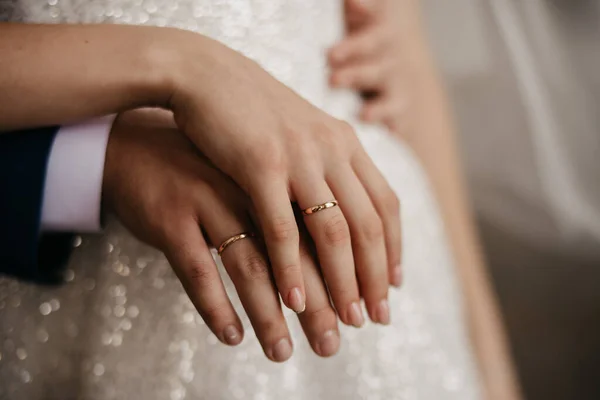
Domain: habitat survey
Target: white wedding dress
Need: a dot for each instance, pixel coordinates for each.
(121, 326)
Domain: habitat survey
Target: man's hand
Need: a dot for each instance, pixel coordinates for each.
(166, 193)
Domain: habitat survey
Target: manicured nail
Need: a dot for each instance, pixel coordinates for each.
(282, 350)
(397, 276)
(296, 300)
(232, 335)
(355, 315)
(329, 343)
(383, 312)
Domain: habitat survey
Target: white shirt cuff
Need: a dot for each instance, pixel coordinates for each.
(73, 187)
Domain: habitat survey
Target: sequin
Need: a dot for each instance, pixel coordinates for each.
(42, 335)
(133, 311)
(21, 354)
(119, 311)
(45, 308)
(122, 327)
(54, 304)
(69, 275)
(25, 376)
(98, 369)
(77, 240)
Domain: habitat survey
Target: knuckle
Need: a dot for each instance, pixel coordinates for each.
(254, 267)
(306, 150)
(319, 312)
(371, 230)
(268, 158)
(200, 274)
(288, 270)
(214, 313)
(343, 294)
(267, 327)
(336, 230)
(282, 230)
(345, 129)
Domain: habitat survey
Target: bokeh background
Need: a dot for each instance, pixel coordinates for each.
(524, 82)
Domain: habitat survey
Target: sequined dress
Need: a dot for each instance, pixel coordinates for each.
(121, 326)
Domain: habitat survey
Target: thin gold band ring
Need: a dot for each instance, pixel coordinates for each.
(320, 207)
(232, 240)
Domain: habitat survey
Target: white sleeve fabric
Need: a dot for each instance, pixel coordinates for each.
(73, 186)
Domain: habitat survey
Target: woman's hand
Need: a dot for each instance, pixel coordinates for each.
(166, 193)
(279, 148)
(371, 59)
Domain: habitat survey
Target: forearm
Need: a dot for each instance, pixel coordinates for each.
(433, 140)
(53, 74)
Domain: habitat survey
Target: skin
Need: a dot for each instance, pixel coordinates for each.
(372, 59)
(274, 145)
(167, 194)
(428, 130)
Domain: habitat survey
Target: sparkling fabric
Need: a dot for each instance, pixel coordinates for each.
(121, 326)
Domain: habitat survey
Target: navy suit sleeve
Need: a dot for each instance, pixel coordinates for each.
(24, 252)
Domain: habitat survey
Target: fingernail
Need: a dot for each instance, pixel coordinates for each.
(355, 315)
(232, 335)
(329, 343)
(397, 276)
(383, 312)
(282, 350)
(296, 300)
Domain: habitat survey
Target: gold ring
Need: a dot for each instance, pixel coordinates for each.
(320, 207)
(232, 240)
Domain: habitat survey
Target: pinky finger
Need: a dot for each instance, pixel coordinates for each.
(388, 207)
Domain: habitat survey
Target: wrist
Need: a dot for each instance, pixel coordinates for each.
(164, 56)
(155, 57)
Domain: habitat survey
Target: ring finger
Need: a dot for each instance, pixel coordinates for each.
(329, 230)
(247, 266)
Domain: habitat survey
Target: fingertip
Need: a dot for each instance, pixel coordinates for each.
(232, 335)
(281, 351)
(380, 312)
(329, 343)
